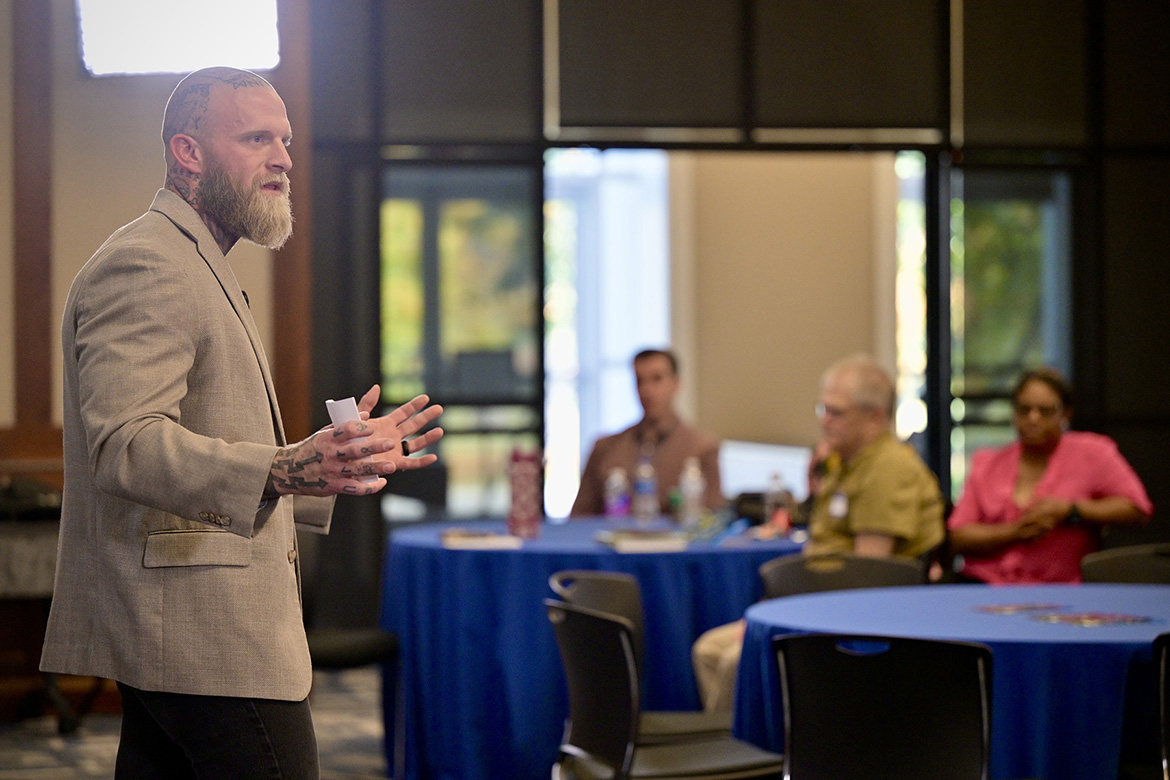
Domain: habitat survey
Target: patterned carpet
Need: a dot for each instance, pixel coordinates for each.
(347, 713)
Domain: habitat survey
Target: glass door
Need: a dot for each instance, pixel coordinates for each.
(1010, 296)
(461, 315)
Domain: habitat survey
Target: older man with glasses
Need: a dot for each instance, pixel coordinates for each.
(872, 496)
(878, 498)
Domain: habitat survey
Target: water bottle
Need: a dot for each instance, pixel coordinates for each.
(527, 508)
(691, 485)
(617, 493)
(645, 500)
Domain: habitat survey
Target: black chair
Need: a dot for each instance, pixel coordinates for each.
(1139, 563)
(606, 591)
(426, 487)
(600, 741)
(340, 639)
(792, 575)
(616, 593)
(352, 641)
(341, 587)
(351, 638)
(884, 707)
(334, 649)
(1162, 673)
(1160, 770)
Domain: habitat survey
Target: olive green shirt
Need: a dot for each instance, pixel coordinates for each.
(884, 489)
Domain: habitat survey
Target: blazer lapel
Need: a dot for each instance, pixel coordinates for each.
(184, 217)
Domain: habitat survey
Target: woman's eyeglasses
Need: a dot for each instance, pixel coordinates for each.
(1046, 412)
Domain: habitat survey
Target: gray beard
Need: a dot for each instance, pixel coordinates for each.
(247, 213)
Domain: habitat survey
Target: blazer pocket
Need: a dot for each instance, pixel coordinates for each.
(196, 548)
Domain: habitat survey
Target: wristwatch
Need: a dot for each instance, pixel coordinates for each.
(1074, 516)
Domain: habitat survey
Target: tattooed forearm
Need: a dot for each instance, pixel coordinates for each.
(298, 482)
(284, 475)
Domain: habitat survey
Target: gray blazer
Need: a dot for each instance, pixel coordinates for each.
(170, 575)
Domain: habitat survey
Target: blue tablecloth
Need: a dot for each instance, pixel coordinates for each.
(481, 680)
(1063, 694)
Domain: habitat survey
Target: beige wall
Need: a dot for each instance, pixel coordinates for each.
(786, 265)
(107, 165)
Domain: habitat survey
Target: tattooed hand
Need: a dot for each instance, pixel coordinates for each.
(333, 461)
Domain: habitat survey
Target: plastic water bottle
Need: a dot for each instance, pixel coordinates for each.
(645, 500)
(617, 493)
(691, 485)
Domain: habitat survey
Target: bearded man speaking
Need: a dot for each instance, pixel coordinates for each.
(177, 560)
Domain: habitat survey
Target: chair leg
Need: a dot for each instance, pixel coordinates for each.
(67, 719)
(91, 697)
(395, 728)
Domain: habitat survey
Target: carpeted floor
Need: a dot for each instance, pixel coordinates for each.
(347, 713)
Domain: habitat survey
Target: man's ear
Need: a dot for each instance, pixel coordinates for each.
(187, 153)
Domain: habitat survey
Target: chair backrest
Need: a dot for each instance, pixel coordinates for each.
(1139, 563)
(1162, 674)
(597, 653)
(791, 575)
(425, 490)
(612, 592)
(915, 709)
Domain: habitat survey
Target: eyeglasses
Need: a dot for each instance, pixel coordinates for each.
(1045, 411)
(832, 411)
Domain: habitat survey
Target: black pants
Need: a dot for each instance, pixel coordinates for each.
(173, 736)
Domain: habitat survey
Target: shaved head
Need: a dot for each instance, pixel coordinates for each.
(189, 107)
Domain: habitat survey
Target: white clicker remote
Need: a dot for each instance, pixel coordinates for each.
(342, 412)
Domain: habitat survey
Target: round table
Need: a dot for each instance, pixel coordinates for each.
(481, 685)
(1070, 694)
